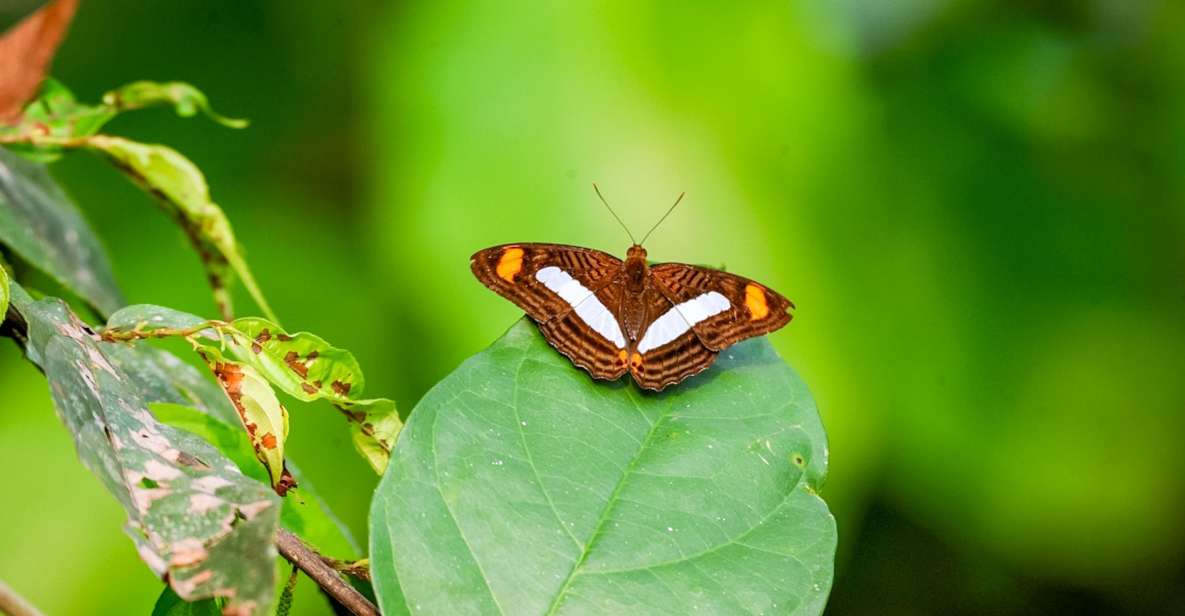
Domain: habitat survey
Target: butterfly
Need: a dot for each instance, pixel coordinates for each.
(661, 322)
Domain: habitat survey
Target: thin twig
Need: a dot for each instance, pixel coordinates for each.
(309, 561)
(13, 604)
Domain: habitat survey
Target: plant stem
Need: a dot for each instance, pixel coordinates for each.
(309, 561)
(13, 604)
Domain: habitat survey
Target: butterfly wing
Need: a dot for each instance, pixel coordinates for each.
(561, 288)
(668, 350)
(722, 308)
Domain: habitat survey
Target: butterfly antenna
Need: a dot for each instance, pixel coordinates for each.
(664, 217)
(602, 198)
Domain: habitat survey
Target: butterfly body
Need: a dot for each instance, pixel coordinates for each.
(660, 322)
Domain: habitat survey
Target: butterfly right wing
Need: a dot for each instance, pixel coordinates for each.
(558, 286)
(731, 308)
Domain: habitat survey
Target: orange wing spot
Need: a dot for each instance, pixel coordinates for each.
(623, 356)
(755, 302)
(636, 361)
(510, 264)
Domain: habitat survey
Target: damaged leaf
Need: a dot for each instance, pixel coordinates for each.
(40, 224)
(196, 520)
(56, 120)
(304, 512)
(301, 365)
(307, 368)
(184, 397)
(185, 99)
(262, 415)
(181, 189)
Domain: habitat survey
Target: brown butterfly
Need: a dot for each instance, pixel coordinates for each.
(661, 322)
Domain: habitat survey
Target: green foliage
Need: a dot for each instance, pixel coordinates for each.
(523, 486)
(39, 224)
(3, 291)
(55, 121)
(262, 415)
(169, 604)
(185, 99)
(304, 511)
(301, 365)
(180, 188)
(192, 514)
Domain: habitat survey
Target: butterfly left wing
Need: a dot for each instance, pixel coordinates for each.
(561, 288)
(721, 308)
(668, 351)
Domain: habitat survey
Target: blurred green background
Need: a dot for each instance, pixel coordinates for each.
(978, 206)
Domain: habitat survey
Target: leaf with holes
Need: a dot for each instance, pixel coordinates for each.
(39, 224)
(262, 415)
(193, 516)
(522, 486)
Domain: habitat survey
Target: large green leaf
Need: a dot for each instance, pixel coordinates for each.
(40, 224)
(522, 486)
(193, 516)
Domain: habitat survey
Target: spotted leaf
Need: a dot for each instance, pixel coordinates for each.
(181, 189)
(307, 368)
(262, 415)
(195, 519)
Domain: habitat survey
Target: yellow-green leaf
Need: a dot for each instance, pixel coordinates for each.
(186, 100)
(308, 368)
(3, 291)
(262, 415)
(181, 188)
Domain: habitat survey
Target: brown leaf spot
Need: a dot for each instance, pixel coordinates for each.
(268, 440)
(191, 461)
(188, 552)
(308, 389)
(260, 340)
(283, 337)
(340, 388)
(294, 363)
(287, 482)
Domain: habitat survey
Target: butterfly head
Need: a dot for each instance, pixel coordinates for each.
(636, 268)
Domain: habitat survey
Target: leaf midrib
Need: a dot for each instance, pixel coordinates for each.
(603, 517)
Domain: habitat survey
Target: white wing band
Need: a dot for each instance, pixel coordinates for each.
(585, 302)
(676, 321)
